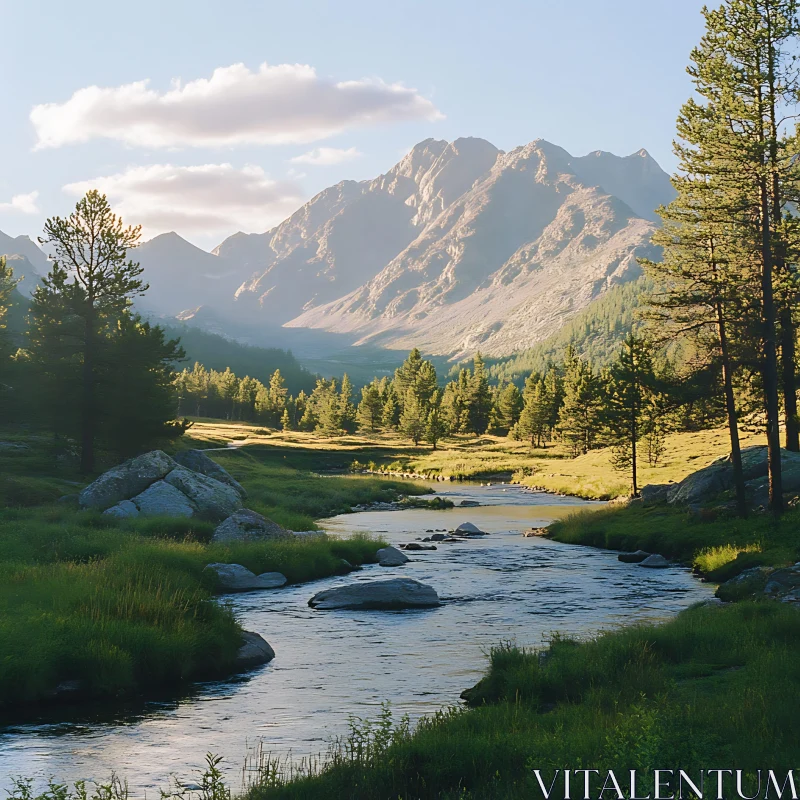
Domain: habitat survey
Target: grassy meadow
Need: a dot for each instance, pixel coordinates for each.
(474, 457)
(118, 607)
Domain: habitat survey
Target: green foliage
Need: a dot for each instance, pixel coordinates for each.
(260, 363)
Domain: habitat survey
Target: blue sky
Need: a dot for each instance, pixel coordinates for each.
(207, 160)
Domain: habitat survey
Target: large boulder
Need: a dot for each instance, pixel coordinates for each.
(122, 510)
(213, 500)
(254, 652)
(391, 557)
(125, 481)
(236, 578)
(247, 526)
(704, 485)
(393, 594)
(468, 529)
(655, 493)
(163, 500)
(198, 461)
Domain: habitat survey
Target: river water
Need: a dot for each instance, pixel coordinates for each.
(329, 665)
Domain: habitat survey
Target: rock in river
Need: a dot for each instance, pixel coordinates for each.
(654, 561)
(633, 558)
(418, 546)
(247, 526)
(254, 652)
(236, 578)
(391, 557)
(396, 593)
(468, 529)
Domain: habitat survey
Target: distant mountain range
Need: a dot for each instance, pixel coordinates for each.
(459, 247)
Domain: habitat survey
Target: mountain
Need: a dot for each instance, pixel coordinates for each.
(28, 261)
(529, 243)
(182, 276)
(346, 234)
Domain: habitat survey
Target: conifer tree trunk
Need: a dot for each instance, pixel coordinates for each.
(88, 400)
(770, 360)
(730, 409)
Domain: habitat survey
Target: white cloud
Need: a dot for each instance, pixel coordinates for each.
(326, 156)
(24, 203)
(209, 199)
(280, 104)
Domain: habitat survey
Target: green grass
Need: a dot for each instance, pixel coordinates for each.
(708, 688)
(124, 606)
(717, 548)
(281, 486)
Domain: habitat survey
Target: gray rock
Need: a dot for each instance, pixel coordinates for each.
(702, 486)
(163, 500)
(468, 504)
(396, 593)
(418, 546)
(254, 652)
(310, 534)
(198, 461)
(391, 557)
(236, 578)
(122, 510)
(655, 493)
(468, 529)
(438, 537)
(248, 526)
(654, 561)
(213, 500)
(633, 558)
(127, 480)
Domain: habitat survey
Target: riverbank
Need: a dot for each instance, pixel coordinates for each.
(551, 469)
(95, 607)
(708, 687)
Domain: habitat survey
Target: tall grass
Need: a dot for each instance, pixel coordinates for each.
(718, 548)
(122, 606)
(708, 688)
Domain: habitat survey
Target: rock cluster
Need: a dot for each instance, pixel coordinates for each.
(153, 484)
(766, 583)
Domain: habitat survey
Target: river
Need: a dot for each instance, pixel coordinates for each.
(330, 665)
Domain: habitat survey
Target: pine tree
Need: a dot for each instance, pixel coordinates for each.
(745, 75)
(277, 396)
(631, 385)
(580, 418)
(7, 285)
(347, 411)
(370, 409)
(96, 280)
(414, 417)
(509, 406)
(479, 403)
(391, 410)
(136, 395)
(286, 421)
(435, 425)
(534, 421)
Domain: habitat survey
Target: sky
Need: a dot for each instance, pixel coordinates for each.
(207, 117)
